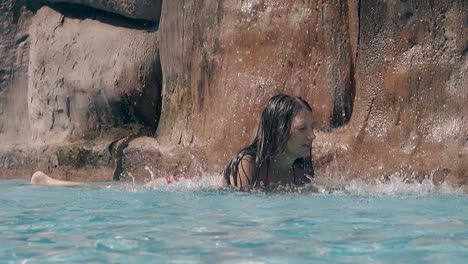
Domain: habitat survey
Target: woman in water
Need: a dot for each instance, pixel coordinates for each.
(280, 154)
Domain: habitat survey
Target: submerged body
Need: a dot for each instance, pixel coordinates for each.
(272, 174)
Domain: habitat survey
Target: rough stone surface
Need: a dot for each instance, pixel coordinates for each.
(73, 80)
(75, 162)
(14, 47)
(86, 77)
(411, 94)
(145, 159)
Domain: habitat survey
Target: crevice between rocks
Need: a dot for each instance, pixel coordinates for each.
(85, 12)
(343, 107)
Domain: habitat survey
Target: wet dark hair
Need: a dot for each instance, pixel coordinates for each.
(273, 133)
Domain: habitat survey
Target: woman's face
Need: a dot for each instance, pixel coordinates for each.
(302, 134)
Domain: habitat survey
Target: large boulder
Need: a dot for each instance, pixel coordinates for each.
(87, 77)
(144, 159)
(72, 85)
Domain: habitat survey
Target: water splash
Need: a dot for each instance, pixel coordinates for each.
(393, 185)
(177, 184)
(150, 172)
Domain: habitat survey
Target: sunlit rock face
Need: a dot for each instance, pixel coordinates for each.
(74, 78)
(411, 78)
(86, 77)
(412, 70)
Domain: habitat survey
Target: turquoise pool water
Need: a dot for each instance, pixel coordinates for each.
(192, 223)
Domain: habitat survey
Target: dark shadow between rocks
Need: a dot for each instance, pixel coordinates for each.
(85, 12)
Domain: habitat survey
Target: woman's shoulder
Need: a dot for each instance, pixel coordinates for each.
(244, 173)
(246, 156)
(247, 161)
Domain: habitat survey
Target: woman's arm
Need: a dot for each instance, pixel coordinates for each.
(245, 173)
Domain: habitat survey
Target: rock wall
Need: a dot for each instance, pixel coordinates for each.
(83, 80)
(411, 75)
(14, 125)
(86, 77)
(222, 60)
(387, 81)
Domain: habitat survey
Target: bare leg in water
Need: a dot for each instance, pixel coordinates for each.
(42, 179)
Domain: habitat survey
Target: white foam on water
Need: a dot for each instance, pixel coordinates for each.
(394, 185)
(179, 184)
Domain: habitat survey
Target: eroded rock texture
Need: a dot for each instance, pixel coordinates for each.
(14, 26)
(410, 110)
(86, 77)
(387, 81)
(145, 159)
(78, 82)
